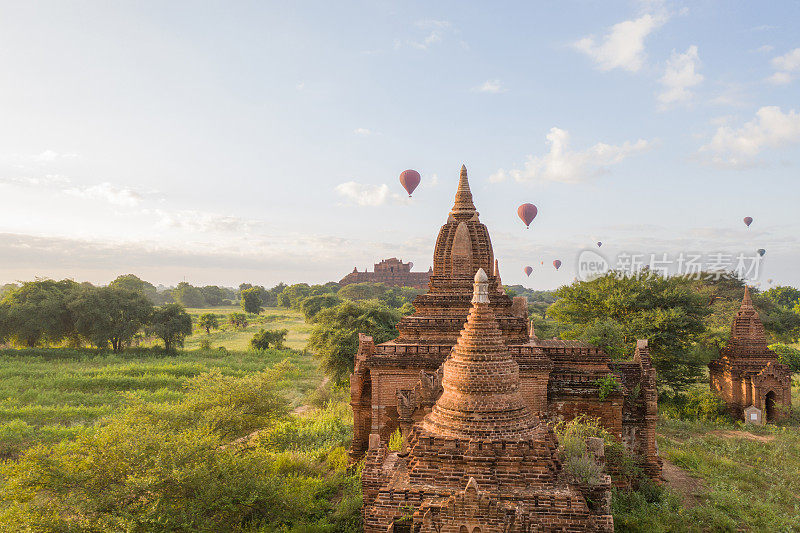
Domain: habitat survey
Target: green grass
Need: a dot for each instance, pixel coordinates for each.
(239, 339)
(50, 394)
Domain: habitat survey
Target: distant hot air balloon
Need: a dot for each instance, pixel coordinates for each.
(761, 252)
(409, 179)
(542, 262)
(527, 212)
(599, 244)
(769, 280)
(528, 271)
(748, 221)
(557, 263)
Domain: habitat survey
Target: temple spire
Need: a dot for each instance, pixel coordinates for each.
(746, 301)
(463, 208)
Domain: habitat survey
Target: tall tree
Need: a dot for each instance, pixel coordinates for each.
(134, 283)
(251, 300)
(208, 321)
(110, 315)
(188, 295)
(171, 323)
(335, 335)
(38, 311)
(614, 311)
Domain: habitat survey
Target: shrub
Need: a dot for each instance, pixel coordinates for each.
(787, 355)
(607, 385)
(698, 403)
(264, 338)
(396, 441)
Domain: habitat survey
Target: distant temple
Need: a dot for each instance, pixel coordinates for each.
(390, 272)
(748, 374)
(471, 401)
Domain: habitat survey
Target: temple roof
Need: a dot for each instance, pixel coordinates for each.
(481, 398)
(747, 332)
(463, 208)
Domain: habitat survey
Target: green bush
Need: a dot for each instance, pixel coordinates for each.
(787, 355)
(698, 403)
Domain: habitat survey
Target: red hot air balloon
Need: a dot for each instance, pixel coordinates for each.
(748, 221)
(528, 271)
(527, 212)
(557, 263)
(409, 179)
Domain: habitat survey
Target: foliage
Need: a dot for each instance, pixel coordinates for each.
(786, 297)
(264, 338)
(208, 321)
(134, 283)
(577, 459)
(390, 296)
(171, 323)
(607, 385)
(38, 311)
(110, 315)
(788, 355)
(697, 403)
(172, 467)
(251, 300)
(314, 304)
(396, 441)
(335, 335)
(293, 295)
(238, 320)
(666, 311)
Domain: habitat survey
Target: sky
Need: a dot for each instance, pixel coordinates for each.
(230, 142)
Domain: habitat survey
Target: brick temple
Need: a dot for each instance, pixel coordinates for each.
(392, 272)
(398, 383)
(748, 372)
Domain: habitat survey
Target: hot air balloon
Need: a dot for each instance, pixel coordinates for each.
(769, 280)
(599, 244)
(528, 271)
(409, 179)
(527, 212)
(748, 221)
(542, 262)
(761, 252)
(557, 263)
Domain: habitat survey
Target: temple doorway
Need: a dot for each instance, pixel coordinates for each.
(769, 406)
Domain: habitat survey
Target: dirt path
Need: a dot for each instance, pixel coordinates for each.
(300, 409)
(730, 434)
(678, 480)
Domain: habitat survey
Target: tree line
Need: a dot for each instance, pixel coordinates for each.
(48, 312)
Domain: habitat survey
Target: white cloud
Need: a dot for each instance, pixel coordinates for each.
(765, 48)
(204, 222)
(364, 194)
(679, 76)
(362, 131)
(434, 180)
(106, 192)
(787, 66)
(49, 179)
(50, 155)
(435, 32)
(623, 46)
(300, 85)
(566, 166)
(738, 147)
(490, 86)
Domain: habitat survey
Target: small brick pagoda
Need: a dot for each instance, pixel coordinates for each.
(481, 460)
(396, 383)
(392, 272)
(748, 372)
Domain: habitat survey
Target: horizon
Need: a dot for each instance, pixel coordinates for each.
(261, 143)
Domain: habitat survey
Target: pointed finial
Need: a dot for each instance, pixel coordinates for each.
(481, 292)
(746, 301)
(463, 208)
(531, 330)
(496, 268)
(497, 277)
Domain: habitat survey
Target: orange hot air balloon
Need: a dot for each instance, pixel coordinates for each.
(542, 262)
(528, 271)
(527, 212)
(409, 179)
(748, 221)
(557, 263)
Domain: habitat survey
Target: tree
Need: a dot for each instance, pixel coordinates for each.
(188, 295)
(171, 323)
(314, 304)
(238, 320)
(134, 283)
(110, 315)
(38, 312)
(263, 339)
(208, 321)
(293, 295)
(617, 310)
(335, 335)
(251, 300)
(786, 297)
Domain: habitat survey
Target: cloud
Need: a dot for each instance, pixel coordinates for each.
(565, 166)
(787, 66)
(435, 33)
(106, 192)
(364, 194)
(738, 147)
(362, 131)
(679, 76)
(490, 86)
(623, 46)
(765, 48)
(49, 179)
(204, 222)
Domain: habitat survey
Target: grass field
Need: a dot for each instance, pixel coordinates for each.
(239, 339)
